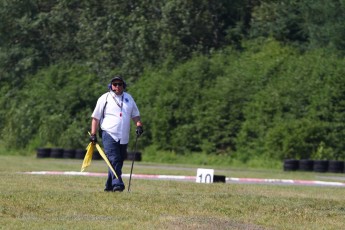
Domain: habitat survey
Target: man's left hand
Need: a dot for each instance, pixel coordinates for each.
(139, 131)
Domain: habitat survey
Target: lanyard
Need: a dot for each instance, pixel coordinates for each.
(118, 104)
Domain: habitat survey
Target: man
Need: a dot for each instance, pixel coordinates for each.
(113, 113)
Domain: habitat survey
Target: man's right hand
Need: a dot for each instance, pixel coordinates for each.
(93, 138)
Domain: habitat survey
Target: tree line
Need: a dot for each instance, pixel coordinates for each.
(243, 78)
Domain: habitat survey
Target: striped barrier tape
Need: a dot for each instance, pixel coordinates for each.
(193, 178)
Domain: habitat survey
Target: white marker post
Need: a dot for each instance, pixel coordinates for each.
(204, 175)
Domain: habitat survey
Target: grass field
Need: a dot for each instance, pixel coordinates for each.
(78, 202)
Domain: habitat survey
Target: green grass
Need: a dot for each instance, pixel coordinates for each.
(77, 202)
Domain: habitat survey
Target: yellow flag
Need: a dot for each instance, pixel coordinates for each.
(88, 158)
(105, 158)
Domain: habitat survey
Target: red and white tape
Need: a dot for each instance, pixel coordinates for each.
(193, 178)
(284, 181)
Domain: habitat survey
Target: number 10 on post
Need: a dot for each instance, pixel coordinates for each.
(204, 175)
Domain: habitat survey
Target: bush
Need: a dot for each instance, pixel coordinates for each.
(53, 109)
(297, 110)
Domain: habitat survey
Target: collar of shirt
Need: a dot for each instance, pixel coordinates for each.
(115, 95)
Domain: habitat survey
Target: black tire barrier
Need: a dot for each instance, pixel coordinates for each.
(290, 165)
(69, 153)
(80, 153)
(305, 165)
(56, 153)
(96, 156)
(136, 156)
(320, 166)
(336, 166)
(314, 165)
(218, 179)
(43, 152)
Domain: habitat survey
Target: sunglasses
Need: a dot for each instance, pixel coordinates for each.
(117, 84)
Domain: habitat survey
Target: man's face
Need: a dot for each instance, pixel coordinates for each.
(117, 86)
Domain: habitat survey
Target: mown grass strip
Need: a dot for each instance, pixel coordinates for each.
(72, 202)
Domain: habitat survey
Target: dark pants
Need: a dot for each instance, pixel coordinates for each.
(116, 154)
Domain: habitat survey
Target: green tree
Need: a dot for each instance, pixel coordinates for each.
(297, 111)
(310, 24)
(53, 109)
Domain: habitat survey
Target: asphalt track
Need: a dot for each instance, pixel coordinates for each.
(230, 180)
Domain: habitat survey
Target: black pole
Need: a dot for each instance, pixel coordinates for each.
(135, 153)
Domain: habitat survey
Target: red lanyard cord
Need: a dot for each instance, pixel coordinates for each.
(118, 104)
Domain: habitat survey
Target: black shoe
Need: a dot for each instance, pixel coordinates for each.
(108, 190)
(118, 189)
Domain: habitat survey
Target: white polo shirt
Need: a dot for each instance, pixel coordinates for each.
(117, 120)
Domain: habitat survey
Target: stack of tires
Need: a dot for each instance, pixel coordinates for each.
(290, 165)
(80, 153)
(322, 166)
(69, 153)
(96, 156)
(56, 153)
(62, 153)
(136, 156)
(43, 152)
(336, 166)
